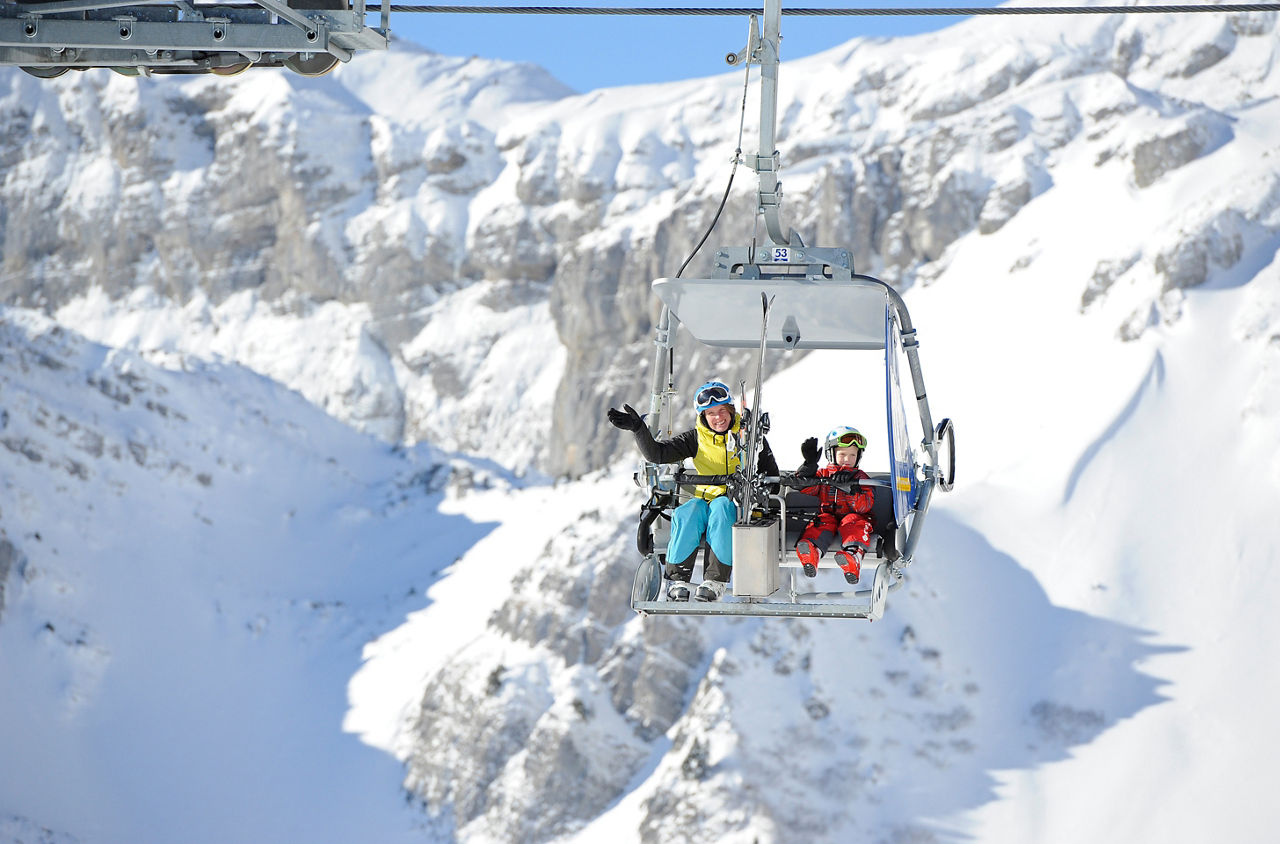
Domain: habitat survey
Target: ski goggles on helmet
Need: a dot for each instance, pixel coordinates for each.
(851, 438)
(712, 395)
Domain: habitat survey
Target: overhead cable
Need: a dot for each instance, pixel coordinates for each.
(953, 11)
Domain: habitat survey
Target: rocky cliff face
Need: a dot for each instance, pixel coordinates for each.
(560, 701)
(406, 180)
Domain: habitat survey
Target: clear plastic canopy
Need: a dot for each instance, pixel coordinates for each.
(806, 313)
(904, 458)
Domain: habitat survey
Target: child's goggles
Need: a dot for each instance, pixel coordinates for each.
(851, 438)
(712, 395)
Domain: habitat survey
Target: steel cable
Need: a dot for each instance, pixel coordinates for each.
(951, 11)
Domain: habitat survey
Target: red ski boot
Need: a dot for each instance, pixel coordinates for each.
(851, 563)
(808, 555)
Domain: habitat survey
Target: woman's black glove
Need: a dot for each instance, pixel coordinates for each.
(809, 450)
(627, 419)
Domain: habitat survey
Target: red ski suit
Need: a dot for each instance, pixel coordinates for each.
(842, 512)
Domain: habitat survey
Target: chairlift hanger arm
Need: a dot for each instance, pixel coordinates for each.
(660, 386)
(766, 53)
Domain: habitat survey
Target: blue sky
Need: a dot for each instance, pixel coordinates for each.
(588, 52)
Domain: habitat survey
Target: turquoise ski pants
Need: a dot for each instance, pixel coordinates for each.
(696, 517)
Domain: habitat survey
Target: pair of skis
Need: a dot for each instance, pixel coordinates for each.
(758, 422)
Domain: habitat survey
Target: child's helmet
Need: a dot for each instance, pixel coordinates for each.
(844, 437)
(711, 394)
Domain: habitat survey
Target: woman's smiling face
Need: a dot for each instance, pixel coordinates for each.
(719, 418)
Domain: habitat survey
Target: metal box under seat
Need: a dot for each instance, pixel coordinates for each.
(755, 559)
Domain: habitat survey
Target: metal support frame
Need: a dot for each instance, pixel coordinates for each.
(285, 13)
(748, 263)
(661, 389)
(871, 602)
(766, 53)
(177, 35)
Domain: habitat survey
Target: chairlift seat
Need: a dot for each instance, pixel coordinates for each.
(802, 508)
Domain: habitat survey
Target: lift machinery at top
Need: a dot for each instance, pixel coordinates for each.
(789, 296)
(47, 38)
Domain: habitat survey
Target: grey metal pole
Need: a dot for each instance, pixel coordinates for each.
(661, 365)
(769, 192)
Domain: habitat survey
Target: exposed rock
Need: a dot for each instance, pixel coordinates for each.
(570, 605)
(1105, 275)
(1142, 318)
(943, 215)
(500, 752)
(1016, 71)
(1066, 724)
(11, 560)
(1006, 130)
(1252, 24)
(1127, 50)
(1219, 243)
(492, 727)
(1152, 158)
(1207, 55)
(1002, 203)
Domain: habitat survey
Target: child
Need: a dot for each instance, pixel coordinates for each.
(848, 514)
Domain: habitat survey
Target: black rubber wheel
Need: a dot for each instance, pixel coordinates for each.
(46, 72)
(231, 69)
(648, 581)
(318, 65)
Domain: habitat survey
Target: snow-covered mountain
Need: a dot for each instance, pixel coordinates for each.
(1084, 216)
(412, 193)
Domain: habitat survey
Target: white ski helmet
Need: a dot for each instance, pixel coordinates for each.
(844, 437)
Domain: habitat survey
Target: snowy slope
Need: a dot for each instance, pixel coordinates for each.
(198, 557)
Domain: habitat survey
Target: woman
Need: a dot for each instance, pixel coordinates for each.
(715, 447)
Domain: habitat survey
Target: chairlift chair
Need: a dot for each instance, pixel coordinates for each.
(827, 308)
(820, 304)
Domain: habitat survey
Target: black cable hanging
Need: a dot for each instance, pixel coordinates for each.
(737, 159)
(952, 11)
